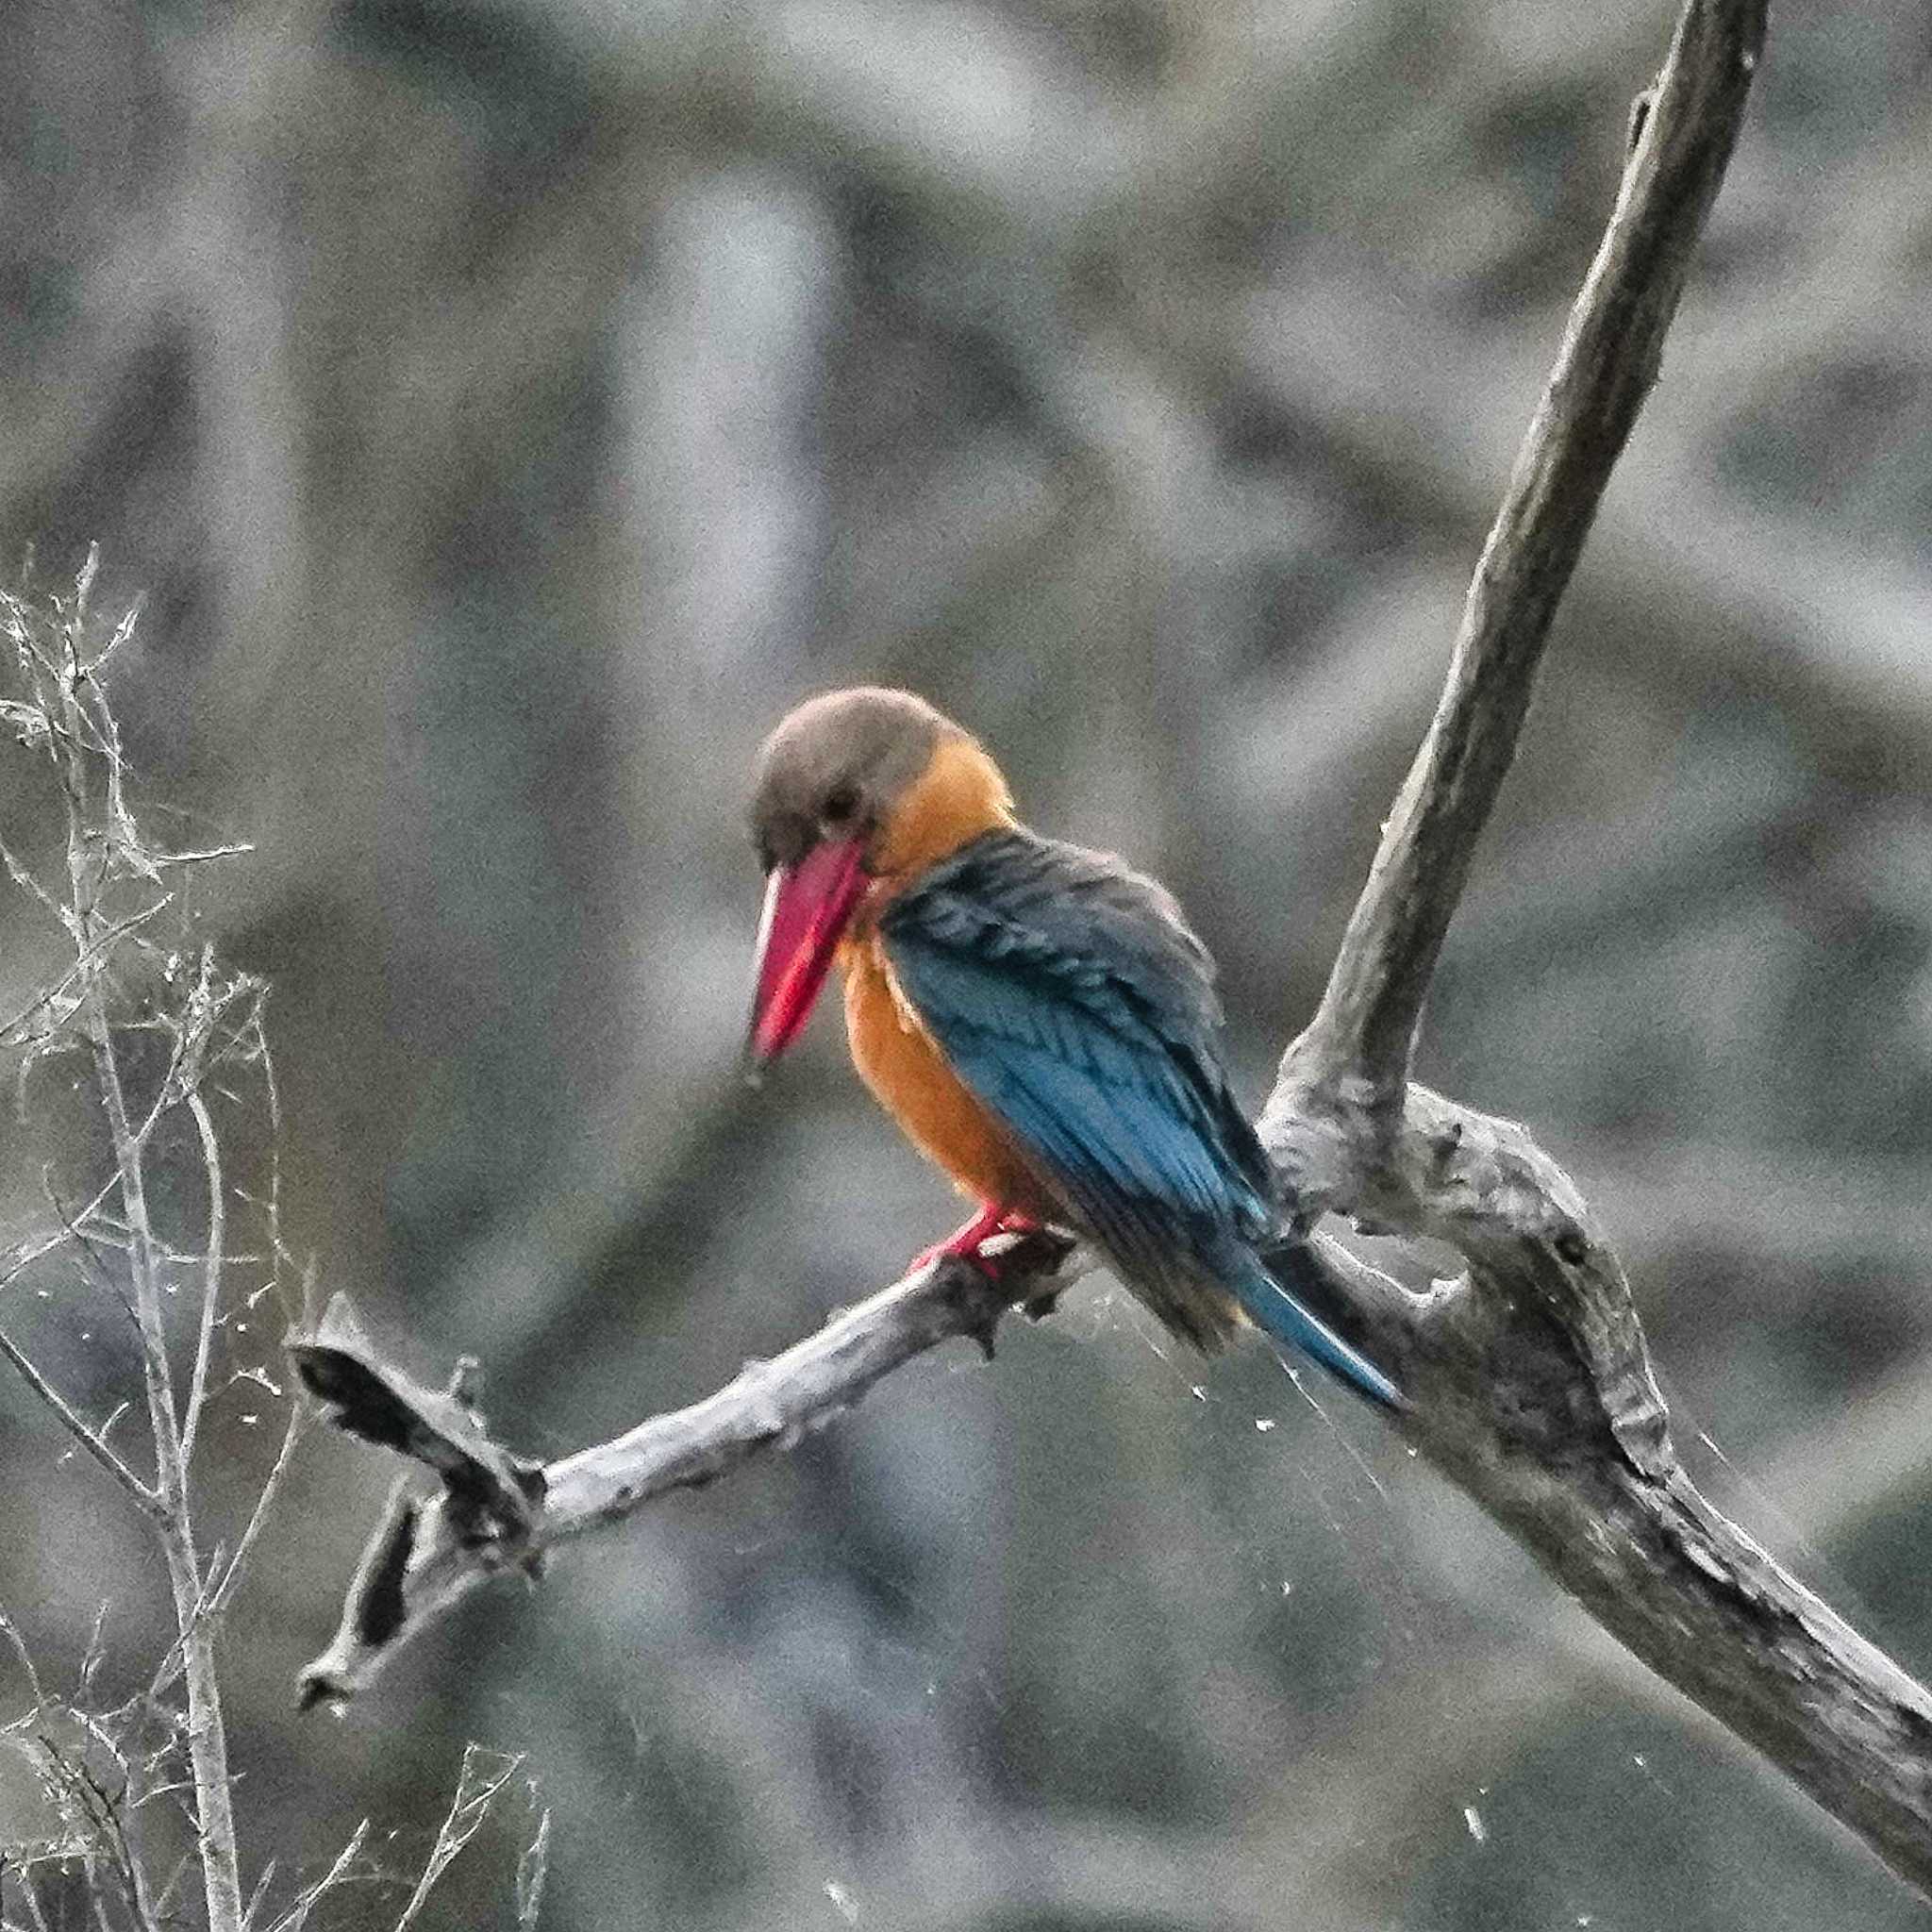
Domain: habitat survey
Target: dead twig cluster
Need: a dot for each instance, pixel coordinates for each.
(166, 1048)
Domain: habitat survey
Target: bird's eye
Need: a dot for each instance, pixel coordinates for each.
(842, 805)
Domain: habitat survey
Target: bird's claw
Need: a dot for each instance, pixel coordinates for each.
(968, 1244)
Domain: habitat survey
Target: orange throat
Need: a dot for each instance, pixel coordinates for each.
(960, 796)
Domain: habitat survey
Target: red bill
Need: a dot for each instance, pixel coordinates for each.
(808, 907)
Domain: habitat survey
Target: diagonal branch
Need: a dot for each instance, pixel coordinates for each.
(91, 1439)
(1529, 1373)
(1363, 1034)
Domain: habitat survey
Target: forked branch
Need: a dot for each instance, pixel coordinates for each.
(428, 1553)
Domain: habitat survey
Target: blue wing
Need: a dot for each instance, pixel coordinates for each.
(1068, 993)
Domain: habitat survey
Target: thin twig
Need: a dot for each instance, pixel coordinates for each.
(533, 1868)
(9, 1631)
(258, 1897)
(475, 1794)
(296, 1917)
(70, 1227)
(33, 1904)
(77, 1426)
(228, 1579)
(225, 1574)
(103, 945)
(204, 857)
(211, 1272)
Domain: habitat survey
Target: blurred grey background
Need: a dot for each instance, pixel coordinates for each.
(509, 407)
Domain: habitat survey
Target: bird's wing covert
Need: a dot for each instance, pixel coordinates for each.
(1070, 996)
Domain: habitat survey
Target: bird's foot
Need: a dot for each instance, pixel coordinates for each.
(968, 1242)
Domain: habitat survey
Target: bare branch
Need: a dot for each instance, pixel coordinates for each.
(1364, 1032)
(226, 1580)
(338, 1874)
(426, 1555)
(89, 1438)
(533, 1870)
(102, 945)
(211, 1271)
(483, 1775)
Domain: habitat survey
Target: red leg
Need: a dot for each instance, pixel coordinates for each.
(967, 1242)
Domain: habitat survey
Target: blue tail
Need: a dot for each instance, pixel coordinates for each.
(1273, 1308)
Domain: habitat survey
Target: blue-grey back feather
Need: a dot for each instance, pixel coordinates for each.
(1069, 994)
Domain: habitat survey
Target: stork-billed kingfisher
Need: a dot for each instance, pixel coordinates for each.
(1039, 1019)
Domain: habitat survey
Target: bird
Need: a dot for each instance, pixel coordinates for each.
(1039, 1019)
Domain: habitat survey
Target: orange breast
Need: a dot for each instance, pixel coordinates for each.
(898, 1060)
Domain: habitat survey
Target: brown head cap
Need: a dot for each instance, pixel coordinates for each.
(837, 766)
